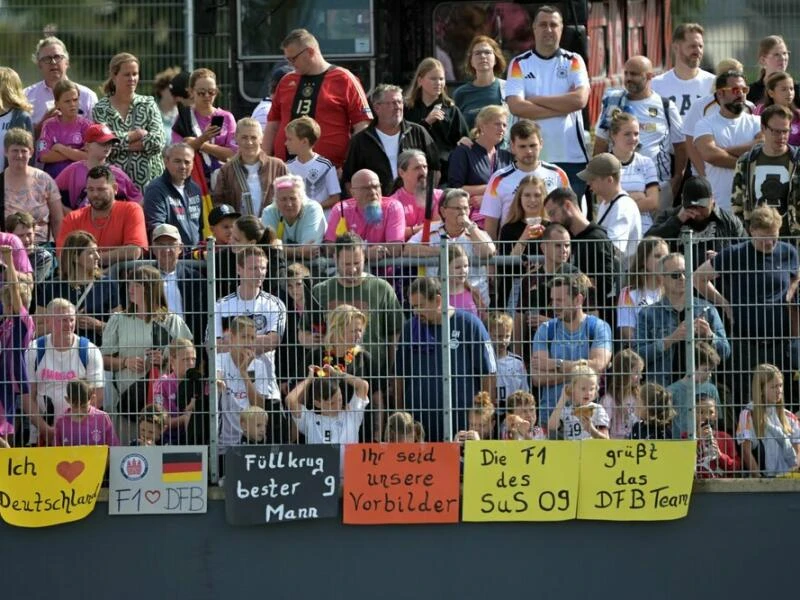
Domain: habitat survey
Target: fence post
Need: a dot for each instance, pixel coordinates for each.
(688, 256)
(188, 35)
(447, 394)
(211, 351)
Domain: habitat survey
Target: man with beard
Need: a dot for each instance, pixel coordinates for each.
(379, 145)
(714, 228)
(722, 138)
(660, 125)
(412, 171)
(117, 226)
(377, 220)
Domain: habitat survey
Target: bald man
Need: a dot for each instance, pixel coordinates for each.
(660, 125)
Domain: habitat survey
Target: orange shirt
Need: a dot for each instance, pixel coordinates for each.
(123, 227)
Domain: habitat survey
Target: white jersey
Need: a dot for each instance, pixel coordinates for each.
(319, 175)
(638, 174)
(660, 126)
(499, 194)
(342, 428)
(683, 92)
(530, 75)
(623, 223)
(55, 369)
(511, 376)
(573, 430)
(726, 133)
(233, 400)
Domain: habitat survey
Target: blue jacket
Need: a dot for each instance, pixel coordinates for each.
(164, 204)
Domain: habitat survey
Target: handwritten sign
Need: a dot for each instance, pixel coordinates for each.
(147, 480)
(520, 481)
(636, 480)
(270, 484)
(401, 483)
(40, 487)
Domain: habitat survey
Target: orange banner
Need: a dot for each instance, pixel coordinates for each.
(401, 483)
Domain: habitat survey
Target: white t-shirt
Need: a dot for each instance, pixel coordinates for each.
(261, 111)
(511, 376)
(499, 194)
(254, 187)
(623, 223)
(683, 92)
(234, 399)
(705, 107)
(340, 429)
(319, 175)
(573, 430)
(658, 132)
(391, 145)
(636, 176)
(530, 75)
(173, 293)
(631, 302)
(56, 368)
(726, 133)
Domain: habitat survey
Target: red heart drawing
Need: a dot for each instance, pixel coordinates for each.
(152, 496)
(70, 470)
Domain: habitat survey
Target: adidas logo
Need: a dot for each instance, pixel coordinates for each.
(530, 76)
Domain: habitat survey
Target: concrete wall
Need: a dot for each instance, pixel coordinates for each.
(731, 546)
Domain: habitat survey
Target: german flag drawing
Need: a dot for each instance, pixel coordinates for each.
(181, 466)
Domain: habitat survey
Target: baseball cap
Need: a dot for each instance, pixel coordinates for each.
(100, 133)
(179, 86)
(223, 211)
(602, 165)
(696, 192)
(277, 74)
(166, 230)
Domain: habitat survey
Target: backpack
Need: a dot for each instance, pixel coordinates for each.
(619, 100)
(83, 351)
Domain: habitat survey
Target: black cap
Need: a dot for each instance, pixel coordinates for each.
(179, 86)
(277, 74)
(223, 211)
(697, 192)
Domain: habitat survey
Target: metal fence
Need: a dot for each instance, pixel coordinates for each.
(339, 351)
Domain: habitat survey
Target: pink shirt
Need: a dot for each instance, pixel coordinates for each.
(95, 429)
(392, 227)
(21, 261)
(72, 180)
(226, 137)
(165, 393)
(39, 95)
(56, 131)
(464, 301)
(415, 214)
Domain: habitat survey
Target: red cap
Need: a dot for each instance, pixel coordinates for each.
(100, 133)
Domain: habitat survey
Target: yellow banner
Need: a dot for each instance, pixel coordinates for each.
(40, 487)
(520, 481)
(636, 480)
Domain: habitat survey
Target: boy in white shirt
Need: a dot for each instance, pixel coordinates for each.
(318, 173)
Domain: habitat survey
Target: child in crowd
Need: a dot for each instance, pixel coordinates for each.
(245, 377)
(83, 424)
(622, 393)
(62, 137)
(149, 427)
(520, 423)
(330, 422)
(768, 433)
(481, 420)
(253, 420)
(462, 294)
(318, 173)
(22, 225)
(577, 413)
(716, 450)
(706, 360)
(511, 373)
(99, 141)
(402, 428)
(16, 332)
(221, 219)
(182, 357)
(655, 414)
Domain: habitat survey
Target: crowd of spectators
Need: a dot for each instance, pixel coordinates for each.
(561, 310)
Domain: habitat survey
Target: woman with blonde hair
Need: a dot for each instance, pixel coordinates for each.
(15, 110)
(428, 104)
(768, 433)
(341, 349)
(135, 119)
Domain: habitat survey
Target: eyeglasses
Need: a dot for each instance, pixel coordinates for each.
(53, 59)
(204, 93)
(778, 131)
(735, 89)
(482, 52)
(291, 59)
(676, 275)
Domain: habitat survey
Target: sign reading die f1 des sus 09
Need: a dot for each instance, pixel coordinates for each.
(271, 484)
(147, 480)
